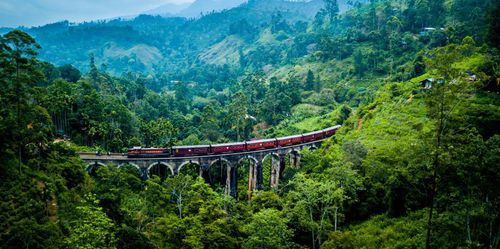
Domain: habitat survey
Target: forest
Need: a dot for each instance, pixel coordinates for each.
(415, 85)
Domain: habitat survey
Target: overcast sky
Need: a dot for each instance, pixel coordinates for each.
(15, 13)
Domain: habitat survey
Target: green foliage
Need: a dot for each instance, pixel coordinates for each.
(315, 204)
(382, 232)
(332, 8)
(238, 113)
(267, 229)
(69, 73)
(158, 133)
(92, 229)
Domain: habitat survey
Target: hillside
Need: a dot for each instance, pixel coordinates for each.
(179, 40)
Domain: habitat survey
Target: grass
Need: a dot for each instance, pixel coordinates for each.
(309, 124)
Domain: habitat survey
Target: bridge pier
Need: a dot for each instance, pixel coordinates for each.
(231, 181)
(275, 171)
(259, 176)
(251, 178)
(294, 159)
(233, 190)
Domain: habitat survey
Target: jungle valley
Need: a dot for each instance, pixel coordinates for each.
(415, 85)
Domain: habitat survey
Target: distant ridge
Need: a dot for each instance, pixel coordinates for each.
(168, 9)
(199, 7)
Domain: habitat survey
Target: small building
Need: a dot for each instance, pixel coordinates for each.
(426, 31)
(427, 83)
(472, 76)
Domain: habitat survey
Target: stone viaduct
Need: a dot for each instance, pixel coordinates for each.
(231, 161)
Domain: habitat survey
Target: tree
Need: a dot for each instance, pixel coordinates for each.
(59, 102)
(359, 65)
(70, 73)
(494, 26)
(254, 87)
(209, 123)
(182, 96)
(18, 75)
(93, 73)
(309, 85)
(314, 202)
(158, 133)
(451, 90)
(170, 231)
(267, 229)
(129, 238)
(179, 187)
(238, 113)
(92, 229)
(332, 8)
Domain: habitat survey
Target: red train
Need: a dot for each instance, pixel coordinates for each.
(214, 149)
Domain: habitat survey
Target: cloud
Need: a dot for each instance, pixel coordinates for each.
(15, 13)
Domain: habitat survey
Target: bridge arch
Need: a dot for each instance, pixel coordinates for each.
(250, 158)
(192, 168)
(217, 173)
(168, 166)
(131, 164)
(222, 159)
(91, 165)
(272, 154)
(135, 166)
(188, 163)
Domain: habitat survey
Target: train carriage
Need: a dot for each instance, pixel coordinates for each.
(328, 132)
(191, 150)
(312, 136)
(228, 148)
(261, 144)
(290, 140)
(148, 152)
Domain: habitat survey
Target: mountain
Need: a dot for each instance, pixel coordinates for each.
(5, 30)
(129, 44)
(200, 7)
(298, 9)
(168, 9)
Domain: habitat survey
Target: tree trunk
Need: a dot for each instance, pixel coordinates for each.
(18, 117)
(436, 163)
(179, 205)
(312, 230)
(429, 222)
(336, 209)
(468, 215)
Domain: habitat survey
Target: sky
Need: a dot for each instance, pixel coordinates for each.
(14, 13)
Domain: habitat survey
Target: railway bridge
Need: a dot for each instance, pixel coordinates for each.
(228, 165)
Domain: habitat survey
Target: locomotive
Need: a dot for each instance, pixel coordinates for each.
(246, 146)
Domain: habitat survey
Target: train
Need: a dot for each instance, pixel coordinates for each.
(246, 146)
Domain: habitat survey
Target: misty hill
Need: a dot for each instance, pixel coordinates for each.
(123, 45)
(200, 7)
(167, 9)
